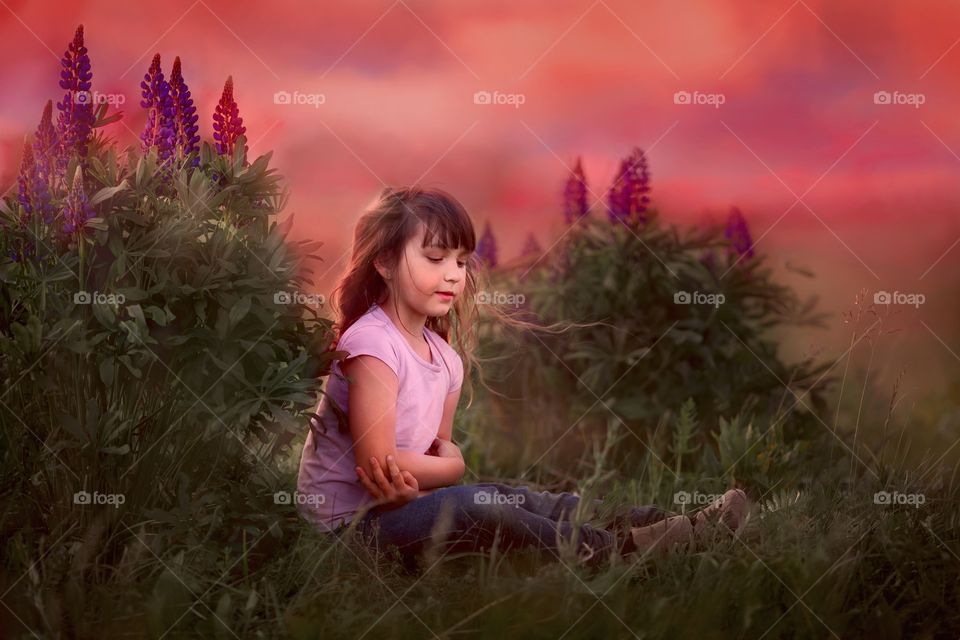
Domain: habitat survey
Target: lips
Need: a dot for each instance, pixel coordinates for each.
(445, 294)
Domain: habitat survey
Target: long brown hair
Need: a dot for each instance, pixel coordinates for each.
(382, 233)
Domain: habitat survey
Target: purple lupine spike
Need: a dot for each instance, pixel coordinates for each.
(531, 246)
(33, 190)
(575, 195)
(185, 137)
(487, 247)
(159, 130)
(45, 145)
(738, 233)
(227, 123)
(77, 209)
(75, 122)
(628, 196)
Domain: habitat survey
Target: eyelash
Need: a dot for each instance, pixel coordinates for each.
(435, 260)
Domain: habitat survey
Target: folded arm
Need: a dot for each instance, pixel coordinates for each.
(434, 471)
(372, 420)
(430, 471)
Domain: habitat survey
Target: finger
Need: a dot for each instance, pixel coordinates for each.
(373, 489)
(395, 474)
(364, 479)
(410, 480)
(382, 481)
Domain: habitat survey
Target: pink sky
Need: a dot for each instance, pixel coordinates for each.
(597, 78)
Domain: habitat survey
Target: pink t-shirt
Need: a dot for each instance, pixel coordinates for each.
(328, 490)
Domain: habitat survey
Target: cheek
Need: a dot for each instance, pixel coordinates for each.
(425, 275)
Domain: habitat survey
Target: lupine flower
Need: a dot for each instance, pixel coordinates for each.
(738, 234)
(33, 190)
(77, 209)
(158, 131)
(22, 252)
(45, 145)
(531, 246)
(75, 122)
(575, 195)
(487, 247)
(227, 123)
(185, 138)
(628, 195)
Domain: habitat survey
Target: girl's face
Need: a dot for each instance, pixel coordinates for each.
(424, 275)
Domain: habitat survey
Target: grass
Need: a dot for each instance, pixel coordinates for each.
(822, 557)
(822, 560)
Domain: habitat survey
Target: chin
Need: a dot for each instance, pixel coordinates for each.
(440, 310)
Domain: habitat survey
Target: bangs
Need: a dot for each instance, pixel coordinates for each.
(446, 224)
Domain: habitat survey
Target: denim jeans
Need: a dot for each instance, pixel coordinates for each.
(468, 518)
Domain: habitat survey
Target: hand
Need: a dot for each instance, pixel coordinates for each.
(444, 449)
(400, 489)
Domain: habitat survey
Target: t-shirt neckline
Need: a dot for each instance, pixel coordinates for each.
(426, 333)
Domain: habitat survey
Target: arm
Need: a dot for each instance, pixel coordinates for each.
(372, 409)
(434, 471)
(445, 432)
(431, 472)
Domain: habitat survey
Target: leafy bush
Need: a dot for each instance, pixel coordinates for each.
(157, 355)
(677, 322)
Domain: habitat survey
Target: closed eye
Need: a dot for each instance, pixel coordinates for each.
(460, 263)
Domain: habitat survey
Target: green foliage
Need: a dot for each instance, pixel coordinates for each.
(158, 356)
(660, 342)
(184, 388)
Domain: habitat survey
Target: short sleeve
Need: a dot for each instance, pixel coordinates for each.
(371, 341)
(456, 372)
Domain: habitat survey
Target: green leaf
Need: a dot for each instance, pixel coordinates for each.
(108, 192)
(114, 117)
(122, 450)
(98, 223)
(105, 315)
(106, 371)
(238, 154)
(158, 315)
(133, 294)
(240, 310)
(128, 363)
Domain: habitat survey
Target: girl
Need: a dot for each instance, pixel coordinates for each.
(380, 456)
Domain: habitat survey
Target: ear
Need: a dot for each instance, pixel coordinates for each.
(381, 269)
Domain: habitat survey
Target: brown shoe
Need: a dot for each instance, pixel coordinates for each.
(673, 533)
(726, 513)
